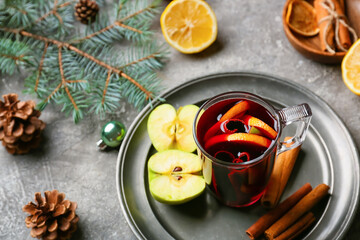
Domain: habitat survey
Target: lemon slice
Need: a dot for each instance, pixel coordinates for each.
(189, 25)
(350, 68)
(301, 18)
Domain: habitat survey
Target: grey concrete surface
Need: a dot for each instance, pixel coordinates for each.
(250, 38)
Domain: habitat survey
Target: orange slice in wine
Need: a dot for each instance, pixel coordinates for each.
(227, 126)
(244, 138)
(236, 110)
(265, 129)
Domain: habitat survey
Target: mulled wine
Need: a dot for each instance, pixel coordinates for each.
(235, 132)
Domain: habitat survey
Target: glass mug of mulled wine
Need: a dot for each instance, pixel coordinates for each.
(238, 138)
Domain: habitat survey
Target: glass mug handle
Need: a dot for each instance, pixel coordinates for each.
(299, 113)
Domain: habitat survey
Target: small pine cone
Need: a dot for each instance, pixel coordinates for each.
(86, 10)
(20, 126)
(51, 217)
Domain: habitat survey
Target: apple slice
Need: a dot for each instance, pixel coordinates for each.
(171, 129)
(184, 128)
(174, 176)
(244, 138)
(265, 129)
(254, 130)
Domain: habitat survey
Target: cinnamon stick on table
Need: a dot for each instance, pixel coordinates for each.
(300, 226)
(325, 37)
(303, 206)
(342, 4)
(279, 177)
(272, 216)
(344, 35)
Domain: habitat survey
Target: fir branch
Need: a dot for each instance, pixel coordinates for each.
(56, 19)
(150, 8)
(17, 13)
(149, 94)
(87, 73)
(13, 54)
(40, 66)
(47, 100)
(148, 58)
(54, 11)
(106, 86)
(63, 81)
(117, 23)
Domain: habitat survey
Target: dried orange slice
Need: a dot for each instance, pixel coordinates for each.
(350, 68)
(301, 18)
(189, 25)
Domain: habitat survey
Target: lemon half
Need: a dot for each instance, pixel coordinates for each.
(350, 68)
(189, 25)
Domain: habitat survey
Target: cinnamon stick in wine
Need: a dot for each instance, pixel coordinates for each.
(328, 36)
(303, 206)
(279, 177)
(272, 216)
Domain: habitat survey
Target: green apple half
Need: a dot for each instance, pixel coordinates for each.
(171, 129)
(175, 176)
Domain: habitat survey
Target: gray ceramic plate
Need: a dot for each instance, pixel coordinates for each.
(328, 156)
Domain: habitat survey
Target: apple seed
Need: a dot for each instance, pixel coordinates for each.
(177, 169)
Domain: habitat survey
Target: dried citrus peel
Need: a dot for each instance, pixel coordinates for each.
(301, 18)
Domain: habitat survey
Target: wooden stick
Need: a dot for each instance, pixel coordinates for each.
(303, 206)
(282, 170)
(298, 227)
(272, 216)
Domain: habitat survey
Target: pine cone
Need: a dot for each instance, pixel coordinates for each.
(86, 10)
(20, 126)
(52, 217)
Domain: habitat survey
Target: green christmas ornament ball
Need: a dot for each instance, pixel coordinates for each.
(113, 133)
